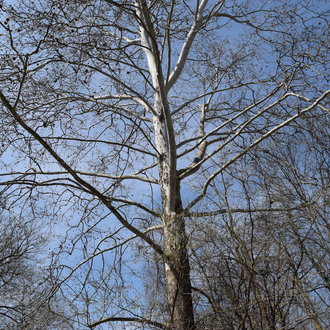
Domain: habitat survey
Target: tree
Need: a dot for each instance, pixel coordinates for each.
(22, 282)
(120, 117)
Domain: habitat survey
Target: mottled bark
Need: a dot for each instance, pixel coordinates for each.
(177, 272)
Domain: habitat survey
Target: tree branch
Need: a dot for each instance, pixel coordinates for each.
(128, 319)
(240, 210)
(78, 179)
(256, 142)
(175, 74)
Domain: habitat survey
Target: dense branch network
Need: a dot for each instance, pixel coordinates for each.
(154, 130)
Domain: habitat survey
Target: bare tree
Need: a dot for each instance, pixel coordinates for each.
(267, 269)
(23, 283)
(120, 117)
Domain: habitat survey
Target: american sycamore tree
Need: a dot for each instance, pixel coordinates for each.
(178, 153)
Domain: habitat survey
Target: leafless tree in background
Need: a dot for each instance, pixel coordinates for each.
(152, 133)
(23, 283)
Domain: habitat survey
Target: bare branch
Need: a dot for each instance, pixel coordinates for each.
(78, 179)
(198, 23)
(128, 319)
(256, 142)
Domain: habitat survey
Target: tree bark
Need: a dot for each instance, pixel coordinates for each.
(177, 273)
(177, 269)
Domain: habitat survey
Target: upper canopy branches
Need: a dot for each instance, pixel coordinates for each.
(86, 78)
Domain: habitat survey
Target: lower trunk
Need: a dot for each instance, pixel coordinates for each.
(177, 273)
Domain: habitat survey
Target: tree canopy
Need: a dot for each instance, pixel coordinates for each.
(180, 152)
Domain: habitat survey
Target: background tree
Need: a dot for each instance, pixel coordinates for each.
(23, 283)
(123, 121)
(267, 269)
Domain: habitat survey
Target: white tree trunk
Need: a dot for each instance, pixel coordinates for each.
(177, 270)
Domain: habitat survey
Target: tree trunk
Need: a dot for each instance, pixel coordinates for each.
(177, 273)
(177, 270)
